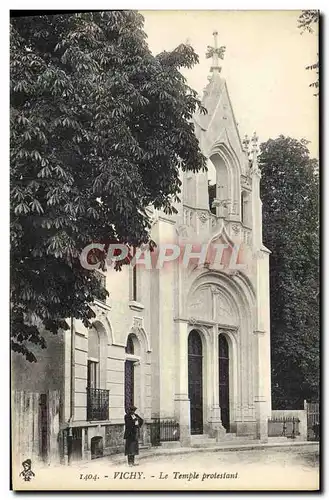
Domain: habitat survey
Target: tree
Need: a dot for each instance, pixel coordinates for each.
(289, 191)
(305, 22)
(98, 128)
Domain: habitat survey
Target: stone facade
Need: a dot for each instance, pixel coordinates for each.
(168, 303)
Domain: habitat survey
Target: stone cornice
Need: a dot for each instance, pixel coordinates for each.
(205, 322)
(259, 332)
(163, 218)
(102, 305)
(136, 306)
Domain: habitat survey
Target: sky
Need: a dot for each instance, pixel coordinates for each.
(264, 65)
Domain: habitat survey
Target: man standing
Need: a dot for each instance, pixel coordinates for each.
(133, 423)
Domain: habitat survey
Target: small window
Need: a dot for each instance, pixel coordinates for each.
(93, 344)
(102, 280)
(133, 294)
(194, 344)
(93, 358)
(135, 283)
(212, 196)
(130, 345)
(244, 207)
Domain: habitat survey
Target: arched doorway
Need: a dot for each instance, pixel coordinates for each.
(195, 382)
(129, 374)
(224, 381)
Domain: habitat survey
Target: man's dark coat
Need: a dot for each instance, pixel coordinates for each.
(131, 434)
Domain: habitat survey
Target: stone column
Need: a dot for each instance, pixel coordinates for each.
(217, 430)
(261, 404)
(182, 402)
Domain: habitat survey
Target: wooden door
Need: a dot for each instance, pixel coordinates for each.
(224, 382)
(195, 382)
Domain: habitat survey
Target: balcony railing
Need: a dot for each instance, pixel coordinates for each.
(97, 404)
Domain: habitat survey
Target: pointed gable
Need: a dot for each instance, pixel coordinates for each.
(218, 126)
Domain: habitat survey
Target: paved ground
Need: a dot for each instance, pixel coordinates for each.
(306, 456)
(285, 468)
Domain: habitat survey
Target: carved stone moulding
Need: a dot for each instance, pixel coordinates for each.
(182, 231)
(203, 217)
(137, 322)
(246, 182)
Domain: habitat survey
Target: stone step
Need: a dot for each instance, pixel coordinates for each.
(201, 437)
(202, 441)
(229, 436)
(278, 439)
(170, 444)
(203, 445)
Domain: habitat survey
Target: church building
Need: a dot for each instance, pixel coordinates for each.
(187, 345)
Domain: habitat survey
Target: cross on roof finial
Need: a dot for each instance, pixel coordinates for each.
(215, 35)
(216, 53)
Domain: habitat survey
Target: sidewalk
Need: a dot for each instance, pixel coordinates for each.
(120, 459)
(159, 451)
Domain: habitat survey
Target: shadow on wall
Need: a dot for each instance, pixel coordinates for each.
(96, 447)
(47, 374)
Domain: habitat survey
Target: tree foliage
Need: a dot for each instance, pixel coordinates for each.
(306, 22)
(98, 128)
(290, 196)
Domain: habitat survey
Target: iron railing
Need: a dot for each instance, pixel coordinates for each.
(97, 404)
(284, 426)
(164, 430)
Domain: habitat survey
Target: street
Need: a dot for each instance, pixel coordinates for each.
(305, 456)
(274, 468)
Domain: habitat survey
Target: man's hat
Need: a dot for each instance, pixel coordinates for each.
(132, 408)
(27, 462)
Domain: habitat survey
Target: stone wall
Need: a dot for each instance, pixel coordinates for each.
(300, 414)
(109, 437)
(35, 426)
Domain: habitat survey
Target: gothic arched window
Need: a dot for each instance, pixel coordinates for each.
(194, 344)
(130, 345)
(245, 217)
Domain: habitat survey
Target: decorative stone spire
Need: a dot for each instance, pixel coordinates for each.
(245, 144)
(254, 153)
(216, 53)
(254, 141)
